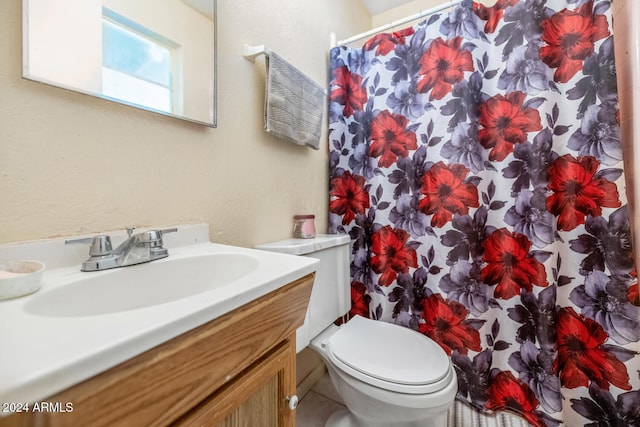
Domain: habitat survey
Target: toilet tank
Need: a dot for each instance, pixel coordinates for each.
(331, 294)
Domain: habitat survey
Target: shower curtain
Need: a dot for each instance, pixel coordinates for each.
(475, 162)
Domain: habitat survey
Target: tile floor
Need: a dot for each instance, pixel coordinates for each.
(322, 400)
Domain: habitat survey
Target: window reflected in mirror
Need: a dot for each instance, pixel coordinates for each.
(158, 56)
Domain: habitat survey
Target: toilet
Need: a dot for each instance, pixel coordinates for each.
(387, 375)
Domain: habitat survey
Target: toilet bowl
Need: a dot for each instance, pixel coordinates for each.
(387, 375)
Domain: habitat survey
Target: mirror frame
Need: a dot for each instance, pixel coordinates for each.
(214, 100)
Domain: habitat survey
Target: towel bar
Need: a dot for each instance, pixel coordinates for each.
(251, 52)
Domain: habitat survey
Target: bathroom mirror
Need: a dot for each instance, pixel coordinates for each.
(155, 55)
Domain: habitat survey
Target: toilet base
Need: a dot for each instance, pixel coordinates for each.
(344, 418)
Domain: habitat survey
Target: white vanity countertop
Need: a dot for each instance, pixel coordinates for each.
(42, 355)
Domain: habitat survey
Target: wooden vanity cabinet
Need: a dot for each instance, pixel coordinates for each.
(236, 370)
(262, 391)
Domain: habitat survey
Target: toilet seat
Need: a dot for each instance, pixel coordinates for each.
(389, 356)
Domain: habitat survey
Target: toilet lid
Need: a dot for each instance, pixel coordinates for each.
(390, 356)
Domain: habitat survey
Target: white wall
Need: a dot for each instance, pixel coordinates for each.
(72, 164)
(53, 54)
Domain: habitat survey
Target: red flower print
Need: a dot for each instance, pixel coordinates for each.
(577, 192)
(444, 323)
(359, 300)
(387, 42)
(391, 255)
(446, 193)
(570, 36)
(349, 91)
(505, 123)
(634, 295)
(390, 139)
(492, 14)
(442, 65)
(581, 356)
(510, 265)
(506, 391)
(349, 196)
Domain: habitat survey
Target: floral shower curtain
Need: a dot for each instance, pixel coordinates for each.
(475, 161)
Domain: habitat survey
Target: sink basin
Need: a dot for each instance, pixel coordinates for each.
(91, 322)
(141, 285)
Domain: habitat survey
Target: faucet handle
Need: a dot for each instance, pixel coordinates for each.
(100, 245)
(155, 236)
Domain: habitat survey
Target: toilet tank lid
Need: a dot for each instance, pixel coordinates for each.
(306, 246)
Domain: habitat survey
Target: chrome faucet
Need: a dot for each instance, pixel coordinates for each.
(136, 249)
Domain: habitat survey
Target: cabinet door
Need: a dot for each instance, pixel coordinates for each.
(256, 398)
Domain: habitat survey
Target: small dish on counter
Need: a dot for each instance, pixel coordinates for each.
(19, 277)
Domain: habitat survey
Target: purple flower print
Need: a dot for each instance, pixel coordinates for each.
(531, 167)
(464, 147)
(599, 134)
(537, 316)
(334, 161)
(361, 163)
(361, 237)
(529, 216)
(473, 376)
(525, 71)
(607, 244)
(408, 176)
(336, 114)
(600, 79)
(405, 64)
(362, 272)
(467, 236)
(359, 131)
(462, 21)
(463, 284)
(522, 24)
(467, 97)
(335, 57)
(535, 368)
(606, 412)
(359, 61)
(361, 234)
(407, 215)
(406, 101)
(360, 127)
(408, 296)
(605, 300)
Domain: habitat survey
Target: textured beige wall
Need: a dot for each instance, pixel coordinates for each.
(72, 164)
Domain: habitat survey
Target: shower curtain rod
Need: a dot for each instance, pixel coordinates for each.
(399, 22)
